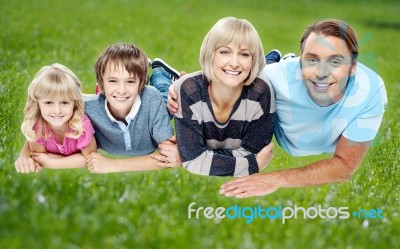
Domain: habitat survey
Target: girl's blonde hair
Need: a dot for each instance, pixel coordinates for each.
(232, 30)
(49, 82)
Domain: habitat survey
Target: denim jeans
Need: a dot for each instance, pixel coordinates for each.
(161, 80)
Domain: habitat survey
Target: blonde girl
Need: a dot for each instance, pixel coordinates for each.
(55, 126)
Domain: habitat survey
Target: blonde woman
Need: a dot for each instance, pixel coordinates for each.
(55, 125)
(225, 117)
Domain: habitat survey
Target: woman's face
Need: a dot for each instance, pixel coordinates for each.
(231, 64)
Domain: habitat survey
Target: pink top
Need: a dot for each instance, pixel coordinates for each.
(70, 145)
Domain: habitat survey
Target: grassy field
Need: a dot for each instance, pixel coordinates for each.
(75, 209)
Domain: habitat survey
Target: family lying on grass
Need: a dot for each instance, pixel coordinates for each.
(324, 101)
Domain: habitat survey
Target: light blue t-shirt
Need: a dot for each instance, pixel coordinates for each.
(304, 128)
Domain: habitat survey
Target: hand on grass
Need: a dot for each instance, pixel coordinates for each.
(26, 165)
(252, 185)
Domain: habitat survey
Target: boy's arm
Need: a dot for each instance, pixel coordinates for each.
(98, 163)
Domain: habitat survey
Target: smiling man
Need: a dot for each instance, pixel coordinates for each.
(326, 102)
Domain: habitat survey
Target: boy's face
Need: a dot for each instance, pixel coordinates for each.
(120, 89)
(326, 67)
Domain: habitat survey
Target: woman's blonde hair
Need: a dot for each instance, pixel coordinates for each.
(237, 31)
(49, 82)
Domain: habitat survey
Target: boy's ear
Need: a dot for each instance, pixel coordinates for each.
(99, 89)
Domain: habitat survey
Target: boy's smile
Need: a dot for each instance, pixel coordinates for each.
(120, 89)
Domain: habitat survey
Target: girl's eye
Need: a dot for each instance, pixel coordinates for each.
(223, 52)
(131, 81)
(245, 54)
(65, 103)
(48, 102)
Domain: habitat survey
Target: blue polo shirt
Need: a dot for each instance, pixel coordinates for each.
(148, 124)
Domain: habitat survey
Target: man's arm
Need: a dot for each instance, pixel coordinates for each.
(339, 168)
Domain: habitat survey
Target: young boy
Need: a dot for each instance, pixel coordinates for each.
(129, 117)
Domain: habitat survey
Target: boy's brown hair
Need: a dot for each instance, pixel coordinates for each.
(129, 56)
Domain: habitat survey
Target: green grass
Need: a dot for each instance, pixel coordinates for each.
(75, 209)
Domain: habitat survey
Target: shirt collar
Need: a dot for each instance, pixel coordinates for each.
(131, 115)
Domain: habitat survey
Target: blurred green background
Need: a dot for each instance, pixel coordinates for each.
(75, 209)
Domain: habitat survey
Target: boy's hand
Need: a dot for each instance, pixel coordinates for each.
(97, 163)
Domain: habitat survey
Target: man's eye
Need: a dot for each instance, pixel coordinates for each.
(312, 60)
(335, 62)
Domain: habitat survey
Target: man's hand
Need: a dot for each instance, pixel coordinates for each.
(252, 185)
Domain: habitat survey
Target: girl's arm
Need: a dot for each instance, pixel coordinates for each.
(53, 161)
(25, 163)
(92, 147)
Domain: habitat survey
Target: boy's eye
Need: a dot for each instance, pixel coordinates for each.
(131, 81)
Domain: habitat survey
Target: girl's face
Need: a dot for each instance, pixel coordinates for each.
(56, 111)
(231, 64)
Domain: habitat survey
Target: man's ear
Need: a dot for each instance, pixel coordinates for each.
(353, 68)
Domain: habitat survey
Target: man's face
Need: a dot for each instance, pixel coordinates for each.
(326, 67)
